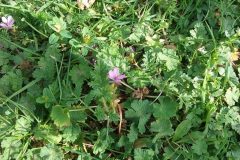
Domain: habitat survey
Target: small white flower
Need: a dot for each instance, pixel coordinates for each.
(85, 3)
(202, 50)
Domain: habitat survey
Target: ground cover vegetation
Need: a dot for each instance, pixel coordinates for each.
(119, 79)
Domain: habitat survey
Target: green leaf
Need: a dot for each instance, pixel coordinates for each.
(53, 39)
(71, 133)
(103, 142)
(200, 147)
(51, 152)
(66, 34)
(11, 82)
(100, 114)
(232, 96)
(199, 31)
(133, 134)
(84, 156)
(53, 52)
(234, 153)
(47, 97)
(143, 142)
(100, 84)
(170, 153)
(166, 109)
(143, 154)
(78, 116)
(60, 116)
(46, 69)
(47, 133)
(182, 129)
(11, 146)
(78, 74)
(170, 57)
(162, 126)
(160, 56)
(57, 24)
(139, 32)
(140, 113)
(33, 153)
(22, 126)
(4, 58)
(139, 78)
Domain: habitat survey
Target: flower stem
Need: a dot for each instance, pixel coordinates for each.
(44, 35)
(125, 84)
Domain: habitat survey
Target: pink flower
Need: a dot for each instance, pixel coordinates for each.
(7, 22)
(115, 76)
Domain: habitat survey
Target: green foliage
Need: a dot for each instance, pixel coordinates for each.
(182, 129)
(103, 142)
(143, 154)
(133, 133)
(179, 99)
(60, 116)
(11, 82)
(71, 133)
(51, 152)
(200, 147)
(47, 133)
(46, 69)
(232, 96)
(11, 146)
(140, 113)
(78, 74)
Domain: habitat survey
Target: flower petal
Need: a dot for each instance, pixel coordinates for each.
(3, 25)
(86, 3)
(4, 20)
(116, 71)
(10, 20)
(117, 81)
(121, 76)
(111, 75)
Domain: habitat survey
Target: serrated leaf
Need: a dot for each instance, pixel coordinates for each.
(139, 78)
(232, 96)
(51, 152)
(46, 69)
(166, 109)
(182, 129)
(162, 126)
(133, 134)
(143, 154)
(140, 113)
(100, 114)
(4, 57)
(170, 57)
(22, 126)
(71, 133)
(103, 142)
(79, 73)
(200, 147)
(60, 116)
(57, 24)
(33, 154)
(11, 147)
(47, 97)
(48, 133)
(12, 81)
